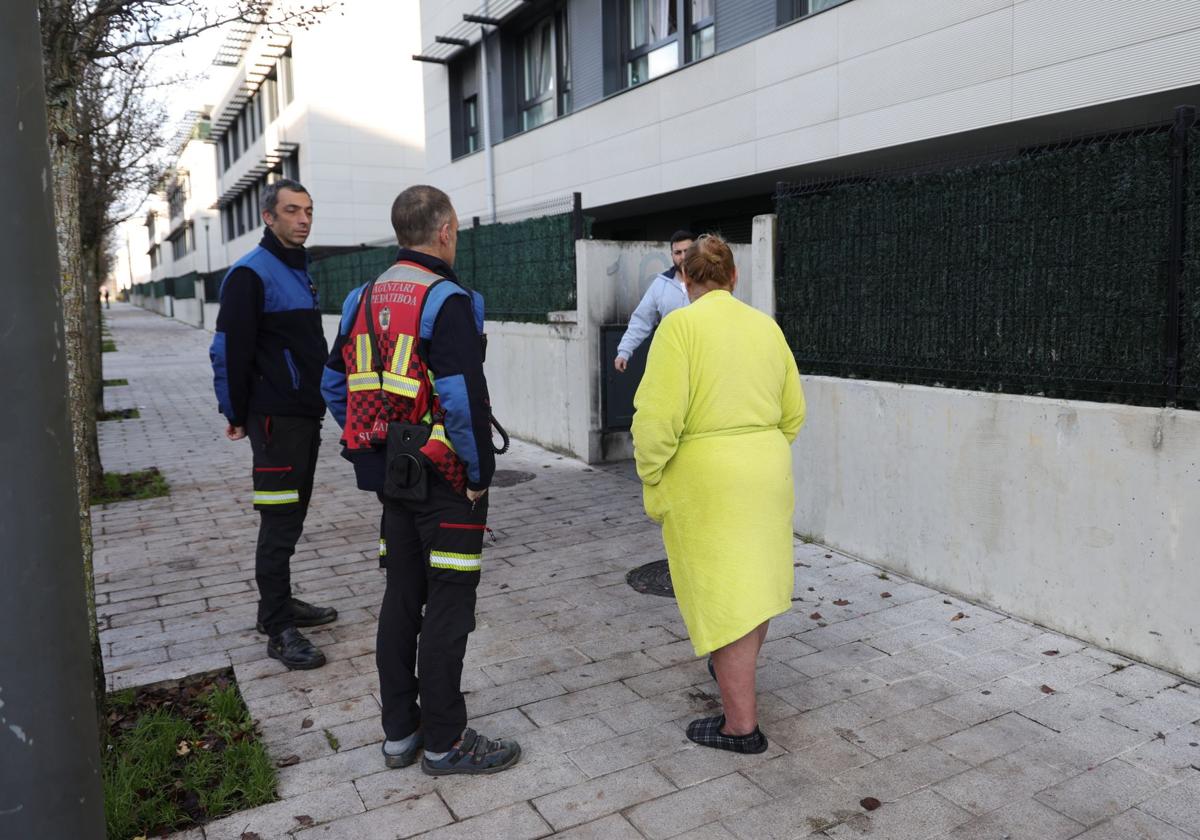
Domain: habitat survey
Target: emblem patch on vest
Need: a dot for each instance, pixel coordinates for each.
(385, 318)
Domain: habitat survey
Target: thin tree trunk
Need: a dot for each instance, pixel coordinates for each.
(62, 77)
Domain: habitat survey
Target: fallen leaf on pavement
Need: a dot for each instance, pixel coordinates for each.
(841, 602)
(304, 819)
(885, 594)
(870, 803)
(815, 616)
(288, 762)
(958, 616)
(306, 723)
(1047, 690)
(1049, 653)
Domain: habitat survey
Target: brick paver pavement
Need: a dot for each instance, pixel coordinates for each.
(939, 708)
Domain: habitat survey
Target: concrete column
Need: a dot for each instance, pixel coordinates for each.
(49, 742)
(762, 289)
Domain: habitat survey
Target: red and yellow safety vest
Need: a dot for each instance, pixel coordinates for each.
(388, 379)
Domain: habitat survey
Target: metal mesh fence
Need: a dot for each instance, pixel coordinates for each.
(523, 264)
(1040, 271)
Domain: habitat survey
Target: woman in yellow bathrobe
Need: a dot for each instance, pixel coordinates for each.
(715, 413)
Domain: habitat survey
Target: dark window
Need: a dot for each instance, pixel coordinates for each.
(470, 119)
(466, 115)
(286, 85)
(291, 166)
(239, 216)
(225, 152)
(227, 225)
(793, 9)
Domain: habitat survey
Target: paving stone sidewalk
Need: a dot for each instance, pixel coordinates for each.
(964, 723)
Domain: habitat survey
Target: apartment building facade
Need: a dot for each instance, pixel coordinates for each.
(328, 104)
(665, 112)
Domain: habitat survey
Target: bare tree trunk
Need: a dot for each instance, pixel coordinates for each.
(62, 78)
(93, 345)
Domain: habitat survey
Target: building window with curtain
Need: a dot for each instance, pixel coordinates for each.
(651, 30)
(790, 10)
(702, 40)
(538, 69)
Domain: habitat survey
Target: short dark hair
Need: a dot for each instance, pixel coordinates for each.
(418, 213)
(681, 235)
(271, 194)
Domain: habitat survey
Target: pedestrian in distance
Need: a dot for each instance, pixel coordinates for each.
(665, 295)
(267, 357)
(405, 381)
(715, 414)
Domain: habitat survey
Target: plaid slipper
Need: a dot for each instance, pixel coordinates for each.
(707, 733)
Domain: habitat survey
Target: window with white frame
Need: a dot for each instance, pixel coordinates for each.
(545, 68)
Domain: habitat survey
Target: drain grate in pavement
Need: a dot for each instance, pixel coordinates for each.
(507, 478)
(652, 579)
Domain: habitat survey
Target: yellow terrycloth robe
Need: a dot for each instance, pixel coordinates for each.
(716, 410)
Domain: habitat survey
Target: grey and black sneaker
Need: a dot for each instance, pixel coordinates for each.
(474, 754)
(305, 615)
(404, 757)
(293, 650)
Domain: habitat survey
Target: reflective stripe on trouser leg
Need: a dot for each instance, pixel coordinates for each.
(276, 497)
(455, 561)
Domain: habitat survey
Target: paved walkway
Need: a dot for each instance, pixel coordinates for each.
(963, 722)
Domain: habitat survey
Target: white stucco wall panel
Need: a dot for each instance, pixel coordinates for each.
(730, 161)
(798, 102)
(816, 142)
(800, 49)
(946, 113)
(1146, 67)
(1040, 39)
(865, 26)
(1079, 516)
(682, 94)
(959, 56)
(708, 129)
(635, 149)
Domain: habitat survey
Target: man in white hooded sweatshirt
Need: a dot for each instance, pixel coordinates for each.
(666, 294)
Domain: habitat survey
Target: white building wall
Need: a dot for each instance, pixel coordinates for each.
(865, 75)
(356, 116)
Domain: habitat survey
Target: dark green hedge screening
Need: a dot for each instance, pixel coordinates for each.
(523, 269)
(1042, 273)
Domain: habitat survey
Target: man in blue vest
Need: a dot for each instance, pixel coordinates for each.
(267, 358)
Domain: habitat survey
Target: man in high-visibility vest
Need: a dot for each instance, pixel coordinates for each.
(407, 365)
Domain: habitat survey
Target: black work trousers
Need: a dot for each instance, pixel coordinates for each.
(432, 559)
(285, 461)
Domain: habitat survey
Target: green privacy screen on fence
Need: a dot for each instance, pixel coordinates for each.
(523, 269)
(1043, 272)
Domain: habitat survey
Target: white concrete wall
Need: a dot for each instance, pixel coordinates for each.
(1078, 516)
(357, 116)
(188, 310)
(865, 75)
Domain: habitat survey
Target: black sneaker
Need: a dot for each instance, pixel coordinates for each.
(293, 650)
(305, 615)
(474, 755)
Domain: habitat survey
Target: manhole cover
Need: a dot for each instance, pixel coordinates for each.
(507, 478)
(652, 579)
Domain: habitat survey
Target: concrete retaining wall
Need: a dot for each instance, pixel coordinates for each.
(1078, 516)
